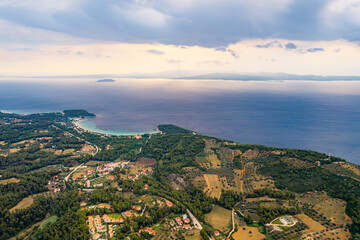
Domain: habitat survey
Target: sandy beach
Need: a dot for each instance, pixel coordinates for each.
(77, 123)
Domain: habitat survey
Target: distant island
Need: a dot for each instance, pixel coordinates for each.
(106, 80)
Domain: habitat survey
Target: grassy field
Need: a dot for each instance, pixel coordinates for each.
(260, 183)
(28, 201)
(10, 180)
(245, 233)
(48, 221)
(196, 235)
(214, 186)
(259, 199)
(313, 225)
(115, 215)
(332, 208)
(93, 163)
(219, 218)
(215, 162)
(200, 182)
(251, 154)
(24, 203)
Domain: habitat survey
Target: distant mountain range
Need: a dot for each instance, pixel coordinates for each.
(178, 74)
(270, 76)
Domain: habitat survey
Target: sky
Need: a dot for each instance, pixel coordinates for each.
(85, 37)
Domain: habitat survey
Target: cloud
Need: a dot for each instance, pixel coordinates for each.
(275, 44)
(174, 61)
(207, 23)
(313, 50)
(290, 46)
(156, 52)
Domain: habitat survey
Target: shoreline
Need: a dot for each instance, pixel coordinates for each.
(77, 123)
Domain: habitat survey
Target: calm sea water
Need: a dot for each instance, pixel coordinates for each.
(322, 116)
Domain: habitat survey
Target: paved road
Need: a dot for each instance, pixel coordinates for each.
(67, 177)
(194, 220)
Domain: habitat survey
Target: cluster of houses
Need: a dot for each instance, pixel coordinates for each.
(184, 222)
(95, 223)
(148, 230)
(108, 167)
(55, 182)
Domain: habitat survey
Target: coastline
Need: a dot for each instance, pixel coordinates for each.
(95, 130)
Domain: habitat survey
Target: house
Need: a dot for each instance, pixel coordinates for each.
(146, 187)
(186, 220)
(57, 190)
(184, 217)
(107, 206)
(216, 233)
(169, 203)
(82, 204)
(89, 172)
(178, 221)
(186, 226)
(111, 177)
(128, 214)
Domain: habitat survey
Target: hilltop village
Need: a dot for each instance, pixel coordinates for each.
(58, 181)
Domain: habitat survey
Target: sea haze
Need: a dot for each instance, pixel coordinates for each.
(322, 116)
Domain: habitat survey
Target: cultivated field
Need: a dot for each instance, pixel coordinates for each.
(214, 186)
(219, 218)
(144, 162)
(245, 233)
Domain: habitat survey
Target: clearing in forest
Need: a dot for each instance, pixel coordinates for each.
(28, 201)
(10, 180)
(219, 218)
(214, 186)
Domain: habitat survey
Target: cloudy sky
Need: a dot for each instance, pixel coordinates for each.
(52, 37)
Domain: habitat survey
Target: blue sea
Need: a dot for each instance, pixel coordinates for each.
(322, 116)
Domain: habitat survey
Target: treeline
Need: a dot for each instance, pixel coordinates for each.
(271, 193)
(229, 198)
(269, 214)
(78, 113)
(169, 128)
